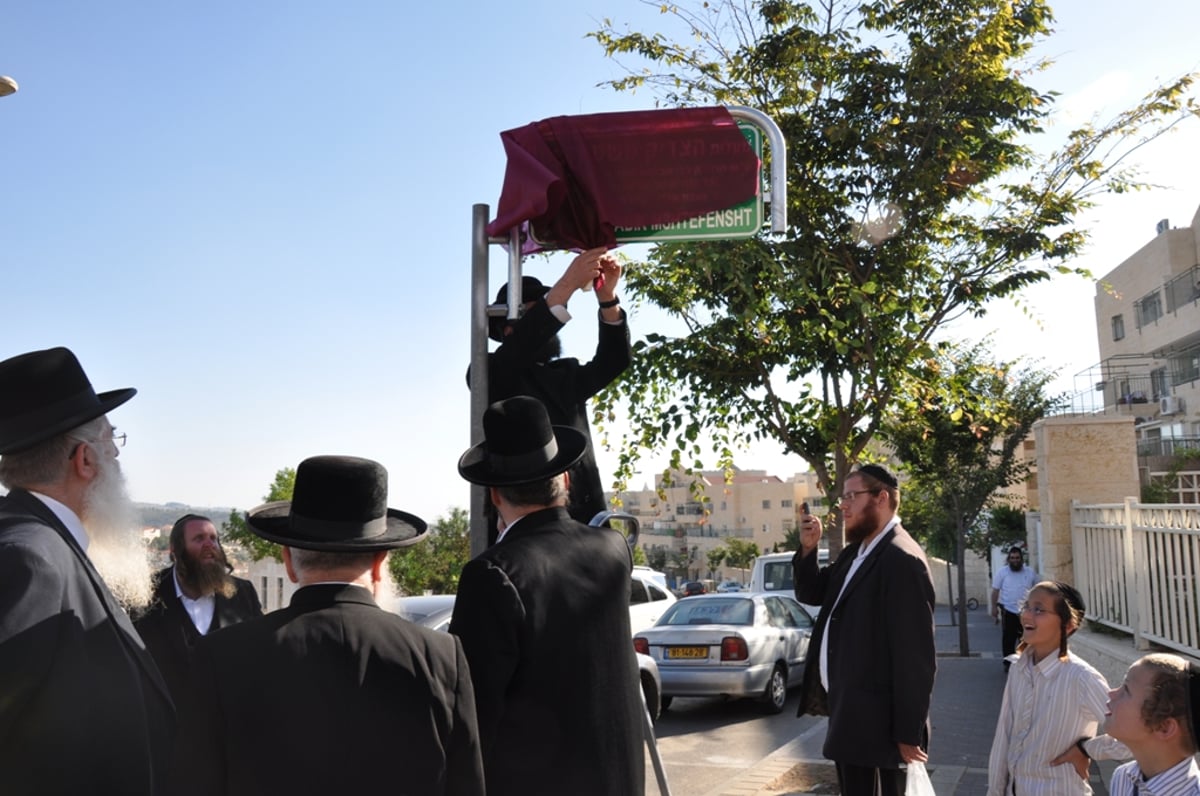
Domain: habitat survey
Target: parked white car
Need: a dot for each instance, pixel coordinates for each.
(648, 598)
(731, 646)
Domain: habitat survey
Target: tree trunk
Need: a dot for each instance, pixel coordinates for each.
(950, 592)
(960, 553)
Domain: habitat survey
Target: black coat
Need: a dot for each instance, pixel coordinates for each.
(564, 386)
(329, 695)
(882, 656)
(544, 620)
(170, 634)
(82, 706)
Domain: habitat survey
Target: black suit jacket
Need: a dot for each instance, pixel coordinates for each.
(544, 620)
(564, 386)
(329, 695)
(882, 656)
(82, 706)
(170, 634)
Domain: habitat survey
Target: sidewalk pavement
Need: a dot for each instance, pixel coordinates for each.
(966, 703)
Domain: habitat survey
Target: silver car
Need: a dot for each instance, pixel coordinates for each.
(730, 645)
(435, 611)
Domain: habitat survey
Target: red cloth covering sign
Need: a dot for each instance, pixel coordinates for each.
(574, 179)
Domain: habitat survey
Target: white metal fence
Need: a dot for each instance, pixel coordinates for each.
(1137, 566)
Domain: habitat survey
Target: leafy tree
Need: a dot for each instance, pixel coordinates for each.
(741, 553)
(682, 560)
(715, 557)
(1161, 489)
(791, 540)
(916, 198)
(958, 442)
(237, 531)
(656, 557)
(435, 563)
(1006, 524)
(639, 556)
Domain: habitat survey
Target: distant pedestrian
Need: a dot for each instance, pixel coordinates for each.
(1052, 700)
(83, 708)
(543, 615)
(1009, 587)
(331, 694)
(1156, 713)
(872, 658)
(195, 595)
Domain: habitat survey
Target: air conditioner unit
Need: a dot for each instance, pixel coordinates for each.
(1162, 226)
(1170, 405)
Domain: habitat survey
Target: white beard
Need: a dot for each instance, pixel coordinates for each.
(115, 547)
(385, 589)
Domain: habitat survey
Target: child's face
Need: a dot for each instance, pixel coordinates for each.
(1125, 722)
(1041, 623)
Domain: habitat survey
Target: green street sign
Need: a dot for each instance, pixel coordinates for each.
(743, 220)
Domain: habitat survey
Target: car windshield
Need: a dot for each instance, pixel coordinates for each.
(715, 611)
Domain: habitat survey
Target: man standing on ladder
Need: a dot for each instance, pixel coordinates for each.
(527, 361)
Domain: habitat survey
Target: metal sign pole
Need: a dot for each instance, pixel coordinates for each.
(479, 374)
(778, 162)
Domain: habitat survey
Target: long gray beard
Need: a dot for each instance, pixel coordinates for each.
(116, 547)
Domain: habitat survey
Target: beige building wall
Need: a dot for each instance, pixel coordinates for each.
(753, 505)
(1148, 331)
(1090, 459)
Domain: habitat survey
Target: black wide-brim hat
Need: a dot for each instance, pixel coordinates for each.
(531, 290)
(339, 505)
(520, 446)
(46, 393)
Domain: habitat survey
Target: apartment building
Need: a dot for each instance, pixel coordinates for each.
(689, 515)
(1148, 328)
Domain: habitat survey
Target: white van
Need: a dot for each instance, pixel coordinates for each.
(773, 571)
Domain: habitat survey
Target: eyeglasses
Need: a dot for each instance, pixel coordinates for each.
(853, 493)
(1036, 610)
(118, 441)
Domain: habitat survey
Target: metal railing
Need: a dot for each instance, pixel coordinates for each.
(1137, 566)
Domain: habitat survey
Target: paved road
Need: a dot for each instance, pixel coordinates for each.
(707, 742)
(719, 749)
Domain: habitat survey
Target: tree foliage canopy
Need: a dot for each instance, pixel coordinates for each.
(236, 530)
(915, 197)
(960, 444)
(435, 563)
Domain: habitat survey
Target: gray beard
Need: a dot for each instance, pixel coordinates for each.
(115, 546)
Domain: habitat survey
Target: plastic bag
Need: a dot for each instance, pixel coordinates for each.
(917, 783)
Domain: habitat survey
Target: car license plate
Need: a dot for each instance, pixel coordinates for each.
(687, 652)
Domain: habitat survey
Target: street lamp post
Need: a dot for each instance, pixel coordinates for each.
(7, 86)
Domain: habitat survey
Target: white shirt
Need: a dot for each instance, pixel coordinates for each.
(200, 610)
(863, 552)
(500, 536)
(1013, 586)
(1182, 779)
(1047, 707)
(67, 518)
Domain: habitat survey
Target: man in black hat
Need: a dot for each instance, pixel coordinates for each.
(83, 708)
(527, 361)
(331, 694)
(543, 615)
(195, 595)
(872, 658)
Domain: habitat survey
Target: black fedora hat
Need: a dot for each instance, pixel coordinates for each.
(339, 504)
(531, 290)
(520, 446)
(46, 393)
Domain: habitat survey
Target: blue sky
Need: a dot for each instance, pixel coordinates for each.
(258, 214)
